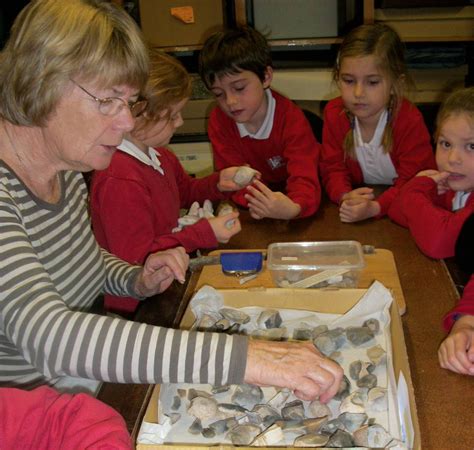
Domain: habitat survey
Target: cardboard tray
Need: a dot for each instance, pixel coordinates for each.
(328, 301)
(380, 266)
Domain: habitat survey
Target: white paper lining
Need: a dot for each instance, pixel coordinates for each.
(374, 304)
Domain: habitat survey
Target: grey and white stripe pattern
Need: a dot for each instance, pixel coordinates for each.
(51, 272)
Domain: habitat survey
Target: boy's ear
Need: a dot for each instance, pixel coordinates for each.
(268, 77)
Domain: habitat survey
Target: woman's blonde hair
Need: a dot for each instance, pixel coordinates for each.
(54, 41)
(382, 42)
(458, 102)
(168, 84)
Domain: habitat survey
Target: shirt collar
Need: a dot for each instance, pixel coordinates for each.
(460, 199)
(150, 158)
(267, 125)
(376, 140)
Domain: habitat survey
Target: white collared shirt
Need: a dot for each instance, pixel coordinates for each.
(460, 199)
(377, 166)
(150, 159)
(267, 125)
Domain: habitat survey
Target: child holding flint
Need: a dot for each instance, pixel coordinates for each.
(135, 202)
(256, 126)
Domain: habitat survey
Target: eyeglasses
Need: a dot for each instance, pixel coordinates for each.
(110, 106)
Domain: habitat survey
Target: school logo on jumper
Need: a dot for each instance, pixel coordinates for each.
(275, 162)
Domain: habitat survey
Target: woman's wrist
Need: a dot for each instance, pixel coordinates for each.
(137, 284)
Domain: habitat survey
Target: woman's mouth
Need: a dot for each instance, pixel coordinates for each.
(110, 148)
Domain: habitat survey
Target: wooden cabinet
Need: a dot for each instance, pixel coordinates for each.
(440, 24)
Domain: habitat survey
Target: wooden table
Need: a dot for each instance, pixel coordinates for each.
(444, 400)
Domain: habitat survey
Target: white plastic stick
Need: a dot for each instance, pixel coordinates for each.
(318, 278)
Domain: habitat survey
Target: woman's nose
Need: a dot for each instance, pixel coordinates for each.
(127, 121)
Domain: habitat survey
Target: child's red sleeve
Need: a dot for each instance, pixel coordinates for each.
(428, 216)
(335, 175)
(44, 418)
(464, 306)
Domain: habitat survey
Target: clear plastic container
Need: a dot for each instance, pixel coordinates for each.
(316, 264)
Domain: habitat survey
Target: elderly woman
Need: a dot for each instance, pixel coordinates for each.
(70, 81)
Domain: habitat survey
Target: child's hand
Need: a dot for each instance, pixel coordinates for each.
(456, 352)
(263, 202)
(359, 208)
(362, 193)
(226, 179)
(225, 226)
(440, 178)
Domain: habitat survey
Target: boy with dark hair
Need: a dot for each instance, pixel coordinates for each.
(254, 125)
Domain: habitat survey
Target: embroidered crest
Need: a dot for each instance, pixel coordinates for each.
(275, 162)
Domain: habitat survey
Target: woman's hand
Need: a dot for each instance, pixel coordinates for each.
(159, 271)
(263, 202)
(295, 365)
(456, 352)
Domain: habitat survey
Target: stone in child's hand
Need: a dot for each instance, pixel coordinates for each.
(244, 176)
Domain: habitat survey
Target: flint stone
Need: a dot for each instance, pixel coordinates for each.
(344, 389)
(341, 439)
(302, 334)
(377, 355)
(223, 425)
(368, 381)
(195, 427)
(311, 440)
(353, 421)
(373, 436)
(244, 175)
(243, 434)
(269, 318)
(208, 433)
(330, 341)
(293, 410)
(331, 426)
(319, 330)
(318, 409)
(203, 408)
(247, 396)
(359, 335)
(234, 315)
(373, 325)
